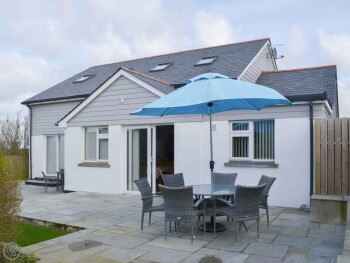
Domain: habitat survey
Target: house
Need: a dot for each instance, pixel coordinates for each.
(83, 124)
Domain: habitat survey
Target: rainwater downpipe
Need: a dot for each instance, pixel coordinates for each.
(30, 142)
(311, 149)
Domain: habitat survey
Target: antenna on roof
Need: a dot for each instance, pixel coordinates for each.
(274, 54)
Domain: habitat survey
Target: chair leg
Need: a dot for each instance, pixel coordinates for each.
(142, 216)
(257, 228)
(267, 214)
(150, 216)
(192, 234)
(165, 230)
(245, 227)
(45, 186)
(234, 227)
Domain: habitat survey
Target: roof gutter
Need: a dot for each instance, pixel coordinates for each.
(311, 109)
(30, 142)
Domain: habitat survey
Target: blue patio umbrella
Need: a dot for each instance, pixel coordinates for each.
(212, 93)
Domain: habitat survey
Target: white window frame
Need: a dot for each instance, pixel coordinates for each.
(99, 136)
(250, 134)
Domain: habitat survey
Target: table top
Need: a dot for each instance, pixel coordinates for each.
(214, 189)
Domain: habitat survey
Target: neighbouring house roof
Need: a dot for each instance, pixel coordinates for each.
(230, 60)
(303, 83)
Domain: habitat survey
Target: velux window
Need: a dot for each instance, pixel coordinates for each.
(96, 143)
(205, 61)
(252, 140)
(160, 67)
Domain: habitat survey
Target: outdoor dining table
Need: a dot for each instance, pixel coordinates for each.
(215, 191)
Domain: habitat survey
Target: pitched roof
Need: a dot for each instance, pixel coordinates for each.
(231, 60)
(303, 83)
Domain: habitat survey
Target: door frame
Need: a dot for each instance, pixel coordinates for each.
(151, 153)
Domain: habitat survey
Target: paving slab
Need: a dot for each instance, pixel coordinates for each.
(268, 250)
(293, 241)
(262, 259)
(114, 220)
(165, 255)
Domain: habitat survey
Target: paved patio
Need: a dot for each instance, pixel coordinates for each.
(114, 220)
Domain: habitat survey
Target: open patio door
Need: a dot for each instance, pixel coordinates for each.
(140, 156)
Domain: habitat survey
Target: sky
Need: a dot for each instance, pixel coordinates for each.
(44, 42)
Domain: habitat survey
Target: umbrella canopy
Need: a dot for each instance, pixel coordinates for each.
(224, 94)
(212, 93)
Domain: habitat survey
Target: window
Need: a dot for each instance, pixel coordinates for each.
(160, 67)
(252, 140)
(54, 153)
(205, 61)
(96, 143)
(83, 78)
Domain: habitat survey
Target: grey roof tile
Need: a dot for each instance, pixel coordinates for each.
(305, 82)
(232, 60)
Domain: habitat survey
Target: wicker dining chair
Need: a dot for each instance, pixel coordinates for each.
(220, 178)
(246, 206)
(48, 178)
(179, 208)
(225, 178)
(173, 180)
(147, 200)
(265, 194)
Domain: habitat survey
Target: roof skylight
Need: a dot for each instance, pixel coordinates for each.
(83, 78)
(160, 67)
(205, 61)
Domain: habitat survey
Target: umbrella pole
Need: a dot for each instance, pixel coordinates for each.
(211, 163)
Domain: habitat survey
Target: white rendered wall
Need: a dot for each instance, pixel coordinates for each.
(291, 188)
(38, 155)
(93, 179)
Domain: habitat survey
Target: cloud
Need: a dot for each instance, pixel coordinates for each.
(344, 96)
(335, 48)
(213, 29)
(108, 48)
(296, 52)
(22, 77)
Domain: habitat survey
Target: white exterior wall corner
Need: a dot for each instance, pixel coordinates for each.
(93, 179)
(291, 188)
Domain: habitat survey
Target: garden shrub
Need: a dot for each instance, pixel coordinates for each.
(10, 200)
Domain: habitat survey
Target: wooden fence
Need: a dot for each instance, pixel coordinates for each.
(332, 156)
(19, 165)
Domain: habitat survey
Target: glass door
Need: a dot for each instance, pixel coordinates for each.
(140, 150)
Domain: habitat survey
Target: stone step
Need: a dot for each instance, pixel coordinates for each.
(40, 183)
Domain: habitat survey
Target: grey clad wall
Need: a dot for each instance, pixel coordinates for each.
(46, 115)
(263, 62)
(108, 109)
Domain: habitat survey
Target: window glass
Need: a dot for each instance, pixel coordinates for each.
(240, 126)
(240, 147)
(90, 144)
(51, 155)
(264, 140)
(103, 149)
(61, 151)
(103, 130)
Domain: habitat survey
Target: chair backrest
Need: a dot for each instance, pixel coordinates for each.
(268, 181)
(146, 191)
(43, 174)
(224, 178)
(247, 202)
(178, 202)
(173, 180)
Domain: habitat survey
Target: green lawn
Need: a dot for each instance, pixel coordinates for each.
(32, 234)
